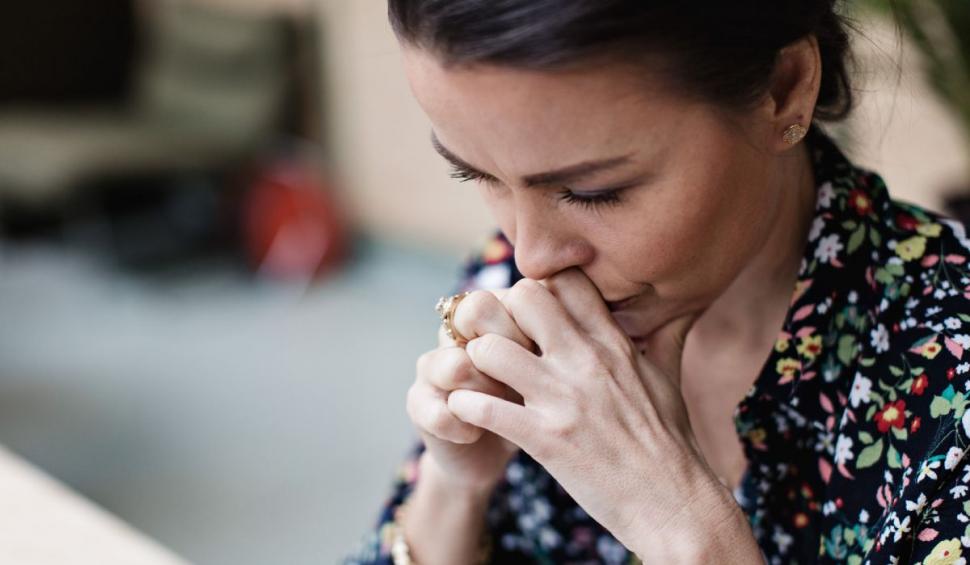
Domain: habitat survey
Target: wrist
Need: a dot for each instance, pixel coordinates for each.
(437, 480)
(709, 528)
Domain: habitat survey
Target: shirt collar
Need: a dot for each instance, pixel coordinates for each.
(834, 276)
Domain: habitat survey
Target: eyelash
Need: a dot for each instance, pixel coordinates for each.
(605, 198)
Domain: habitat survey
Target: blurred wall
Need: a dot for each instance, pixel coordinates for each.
(398, 187)
(378, 139)
(901, 129)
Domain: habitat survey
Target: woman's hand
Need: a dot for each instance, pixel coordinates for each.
(471, 458)
(608, 422)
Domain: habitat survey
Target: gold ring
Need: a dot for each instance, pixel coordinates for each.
(446, 309)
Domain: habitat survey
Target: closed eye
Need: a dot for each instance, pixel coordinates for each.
(588, 200)
(603, 198)
(463, 174)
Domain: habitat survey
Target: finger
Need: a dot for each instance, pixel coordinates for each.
(511, 421)
(482, 312)
(541, 317)
(664, 348)
(428, 409)
(451, 368)
(585, 305)
(507, 362)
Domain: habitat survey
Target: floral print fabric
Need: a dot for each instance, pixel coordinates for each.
(857, 427)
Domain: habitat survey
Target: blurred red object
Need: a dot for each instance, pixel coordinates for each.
(292, 227)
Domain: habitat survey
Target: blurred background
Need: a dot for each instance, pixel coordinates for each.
(224, 230)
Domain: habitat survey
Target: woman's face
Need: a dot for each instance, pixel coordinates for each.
(653, 196)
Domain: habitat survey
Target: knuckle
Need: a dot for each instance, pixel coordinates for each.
(486, 344)
(423, 363)
(564, 427)
(523, 292)
(484, 414)
(438, 419)
(413, 402)
(526, 287)
(476, 306)
(461, 370)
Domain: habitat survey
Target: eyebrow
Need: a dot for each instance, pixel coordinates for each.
(561, 176)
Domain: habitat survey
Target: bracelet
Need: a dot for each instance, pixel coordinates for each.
(401, 552)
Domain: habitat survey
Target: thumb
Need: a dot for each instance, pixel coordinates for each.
(665, 346)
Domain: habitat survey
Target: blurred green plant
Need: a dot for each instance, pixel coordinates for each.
(940, 29)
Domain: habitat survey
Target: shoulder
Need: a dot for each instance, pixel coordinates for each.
(920, 337)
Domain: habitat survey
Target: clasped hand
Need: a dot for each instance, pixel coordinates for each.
(607, 421)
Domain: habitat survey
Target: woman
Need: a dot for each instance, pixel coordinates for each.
(723, 342)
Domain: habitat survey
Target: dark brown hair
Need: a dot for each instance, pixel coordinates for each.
(723, 51)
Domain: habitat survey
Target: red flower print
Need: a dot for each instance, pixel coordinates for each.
(949, 374)
(919, 384)
(906, 222)
(893, 414)
(860, 201)
(914, 425)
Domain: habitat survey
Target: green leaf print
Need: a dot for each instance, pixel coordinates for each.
(869, 455)
(892, 456)
(939, 407)
(856, 239)
(846, 349)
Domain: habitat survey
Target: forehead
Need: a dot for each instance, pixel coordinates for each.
(486, 111)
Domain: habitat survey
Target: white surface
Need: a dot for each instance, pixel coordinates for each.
(44, 523)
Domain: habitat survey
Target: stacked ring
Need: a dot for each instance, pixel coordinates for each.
(446, 309)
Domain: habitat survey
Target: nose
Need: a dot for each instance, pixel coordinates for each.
(543, 248)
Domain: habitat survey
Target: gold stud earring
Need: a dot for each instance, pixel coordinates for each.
(794, 134)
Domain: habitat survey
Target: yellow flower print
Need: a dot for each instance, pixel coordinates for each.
(930, 350)
(810, 346)
(912, 248)
(929, 230)
(786, 368)
(757, 438)
(946, 552)
(781, 345)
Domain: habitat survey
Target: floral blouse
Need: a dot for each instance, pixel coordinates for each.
(855, 430)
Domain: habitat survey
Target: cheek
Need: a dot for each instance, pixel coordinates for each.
(690, 238)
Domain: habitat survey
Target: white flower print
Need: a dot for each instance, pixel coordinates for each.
(958, 491)
(782, 540)
(863, 516)
(917, 506)
(953, 456)
(611, 550)
(861, 387)
(880, 338)
(817, 225)
(952, 323)
(963, 368)
(843, 450)
(963, 340)
(828, 248)
(825, 195)
(901, 527)
(928, 469)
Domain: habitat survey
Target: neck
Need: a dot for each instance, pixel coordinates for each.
(753, 308)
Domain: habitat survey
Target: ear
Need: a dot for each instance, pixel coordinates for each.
(794, 88)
